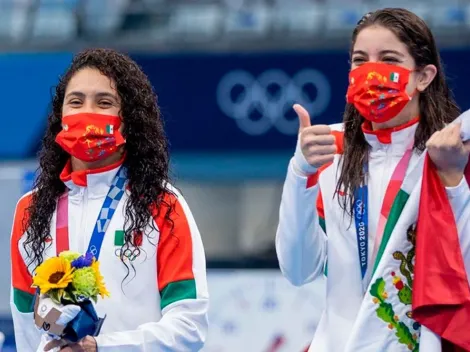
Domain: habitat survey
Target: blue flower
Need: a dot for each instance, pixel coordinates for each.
(83, 261)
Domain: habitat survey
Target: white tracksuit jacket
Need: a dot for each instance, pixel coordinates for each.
(163, 308)
(304, 247)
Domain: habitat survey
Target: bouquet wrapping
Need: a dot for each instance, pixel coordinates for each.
(67, 286)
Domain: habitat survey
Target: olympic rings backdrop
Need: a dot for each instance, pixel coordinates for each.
(219, 102)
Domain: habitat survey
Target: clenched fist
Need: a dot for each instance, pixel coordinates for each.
(316, 144)
(449, 153)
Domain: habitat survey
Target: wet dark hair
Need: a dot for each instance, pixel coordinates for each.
(147, 158)
(437, 105)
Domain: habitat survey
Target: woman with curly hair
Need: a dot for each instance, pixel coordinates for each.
(380, 204)
(105, 131)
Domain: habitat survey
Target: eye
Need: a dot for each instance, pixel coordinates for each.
(105, 103)
(75, 102)
(358, 60)
(390, 59)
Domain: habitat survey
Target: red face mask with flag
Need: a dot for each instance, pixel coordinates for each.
(90, 137)
(378, 90)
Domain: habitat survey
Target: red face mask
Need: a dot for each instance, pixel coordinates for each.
(378, 90)
(90, 137)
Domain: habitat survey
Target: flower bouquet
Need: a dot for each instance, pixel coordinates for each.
(67, 285)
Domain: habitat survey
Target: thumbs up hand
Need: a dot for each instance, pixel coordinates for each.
(316, 145)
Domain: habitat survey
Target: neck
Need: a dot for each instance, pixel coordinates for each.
(79, 165)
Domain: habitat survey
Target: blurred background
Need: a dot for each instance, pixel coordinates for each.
(226, 73)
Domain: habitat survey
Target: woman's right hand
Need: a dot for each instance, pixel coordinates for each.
(51, 318)
(316, 145)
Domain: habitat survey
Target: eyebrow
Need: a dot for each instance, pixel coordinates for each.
(382, 52)
(82, 95)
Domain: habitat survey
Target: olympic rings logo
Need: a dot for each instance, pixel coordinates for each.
(271, 95)
(360, 209)
(129, 254)
(93, 250)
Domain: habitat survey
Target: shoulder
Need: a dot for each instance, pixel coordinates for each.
(172, 192)
(24, 202)
(337, 130)
(21, 215)
(170, 206)
(19, 228)
(173, 195)
(337, 127)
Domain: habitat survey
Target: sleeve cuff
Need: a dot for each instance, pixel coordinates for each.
(299, 174)
(454, 192)
(99, 342)
(306, 182)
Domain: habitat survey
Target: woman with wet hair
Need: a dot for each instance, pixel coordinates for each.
(359, 207)
(104, 163)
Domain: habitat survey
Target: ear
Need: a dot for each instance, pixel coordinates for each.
(425, 77)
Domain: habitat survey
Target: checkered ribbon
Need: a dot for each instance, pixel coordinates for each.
(110, 204)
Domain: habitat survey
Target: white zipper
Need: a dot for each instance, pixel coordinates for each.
(386, 171)
(372, 236)
(82, 228)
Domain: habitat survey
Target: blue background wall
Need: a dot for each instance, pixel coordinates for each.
(187, 89)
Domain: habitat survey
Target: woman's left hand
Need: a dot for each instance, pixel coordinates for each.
(88, 344)
(449, 153)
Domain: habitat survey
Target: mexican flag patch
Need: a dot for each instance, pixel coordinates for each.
(394, 77)
(110, 129)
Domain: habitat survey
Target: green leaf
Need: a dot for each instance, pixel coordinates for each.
(378, 288)
(69, 297)
(405, 295)
(404, 334)
(56, 296)
(386, 313)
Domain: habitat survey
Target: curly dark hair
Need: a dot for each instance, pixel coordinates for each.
(437, 105)
(147, 157)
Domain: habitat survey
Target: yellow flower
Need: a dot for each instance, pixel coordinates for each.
(99, 279)
(54, 273)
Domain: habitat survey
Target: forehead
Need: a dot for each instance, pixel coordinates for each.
(90, 80)
(375, 39)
